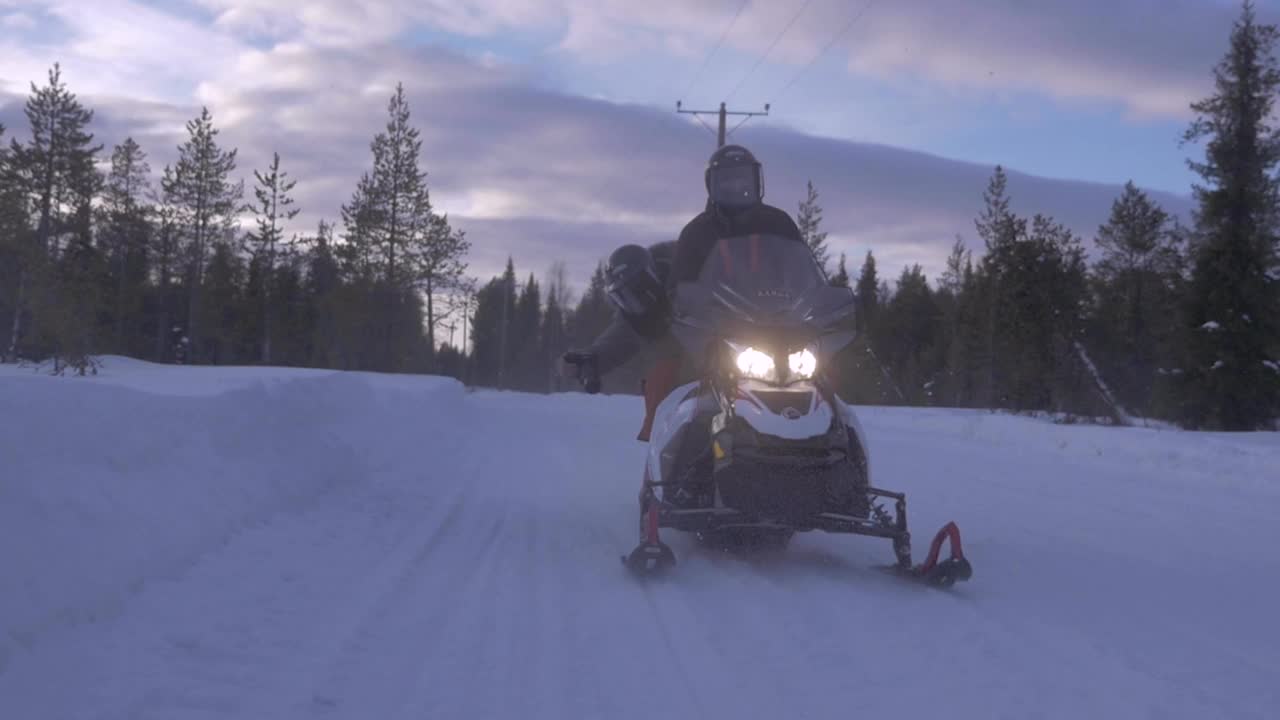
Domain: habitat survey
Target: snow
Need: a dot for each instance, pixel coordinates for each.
(267, 543)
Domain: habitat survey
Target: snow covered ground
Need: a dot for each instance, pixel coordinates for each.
(267, 543)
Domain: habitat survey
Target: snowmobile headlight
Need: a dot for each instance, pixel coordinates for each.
(803, 364)
(755, 364)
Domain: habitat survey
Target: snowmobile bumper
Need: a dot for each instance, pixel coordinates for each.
(784, 480)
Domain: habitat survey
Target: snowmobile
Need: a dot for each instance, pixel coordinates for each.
(761, 447)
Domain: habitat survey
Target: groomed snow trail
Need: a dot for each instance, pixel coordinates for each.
(471, 571)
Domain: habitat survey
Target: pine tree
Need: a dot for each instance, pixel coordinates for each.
(401, 218)
(224, 313)
(809, 220)
(526, 354)
(1232, 314)
(274, 207)
(359, 219)
(909, 349)
(868, 294)
(1135, 283)
(593, 313)
(841, 278)
(55, 170)
(441, 267)
(74, 299)
(125, 236)
(321, 290)
(207, 202)
(491, 331)
(507, 335)
(164, 249)
(16, 240)
(999, 229)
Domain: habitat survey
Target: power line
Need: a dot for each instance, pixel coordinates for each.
(774, 44)
(707, 60)
(843, 31)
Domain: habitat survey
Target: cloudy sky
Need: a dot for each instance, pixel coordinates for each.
(550, 130)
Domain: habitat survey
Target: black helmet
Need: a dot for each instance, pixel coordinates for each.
(734, 178)
(633, 283)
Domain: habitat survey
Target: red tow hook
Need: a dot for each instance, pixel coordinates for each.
(954, 568)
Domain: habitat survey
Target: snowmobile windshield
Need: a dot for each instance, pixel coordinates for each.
(764, 269)
(756, 285)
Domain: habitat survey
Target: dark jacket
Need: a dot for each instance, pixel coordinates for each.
(703, 232)
(627, 336)
(682, 261)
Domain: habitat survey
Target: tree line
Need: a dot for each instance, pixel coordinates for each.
(96, 257)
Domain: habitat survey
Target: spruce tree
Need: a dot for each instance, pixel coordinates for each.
(809, 220)
(1232, 311)
(274, 207)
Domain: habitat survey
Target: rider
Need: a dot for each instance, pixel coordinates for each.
(640, 282)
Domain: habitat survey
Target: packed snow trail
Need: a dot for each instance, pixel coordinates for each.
(467, 566)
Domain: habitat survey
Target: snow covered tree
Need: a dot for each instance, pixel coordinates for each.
(206, 201)
(274, 207)
(809, 220)
(1232, 314)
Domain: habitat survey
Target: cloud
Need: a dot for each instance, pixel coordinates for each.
(17, 21)
(527, 171)
(1151, 57)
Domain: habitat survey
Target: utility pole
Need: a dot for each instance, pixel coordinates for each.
(721, 135)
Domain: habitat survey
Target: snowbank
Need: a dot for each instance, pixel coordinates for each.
(114, 481)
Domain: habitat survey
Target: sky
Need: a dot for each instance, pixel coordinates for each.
(549, 126)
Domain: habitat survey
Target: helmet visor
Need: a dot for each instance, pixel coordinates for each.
(735, 186)
(634, 291)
